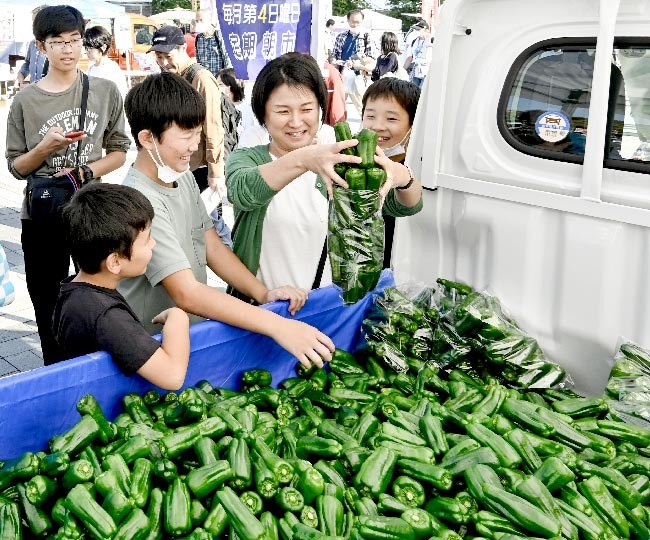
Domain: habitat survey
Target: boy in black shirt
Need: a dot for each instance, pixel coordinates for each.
(109, 228)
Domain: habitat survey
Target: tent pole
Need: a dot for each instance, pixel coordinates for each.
(128, 68)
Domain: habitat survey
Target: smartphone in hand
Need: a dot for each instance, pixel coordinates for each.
(73, 134)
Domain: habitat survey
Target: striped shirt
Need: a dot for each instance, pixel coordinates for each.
(34, 63)
(211, 53)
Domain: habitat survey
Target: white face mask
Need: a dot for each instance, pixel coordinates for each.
(400, 147)
(165, 172)
(356, 30)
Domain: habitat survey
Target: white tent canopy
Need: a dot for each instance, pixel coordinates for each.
(183, 15)
(16, 21)
(90, 9)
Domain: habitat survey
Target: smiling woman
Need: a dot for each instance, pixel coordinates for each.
(280, 190)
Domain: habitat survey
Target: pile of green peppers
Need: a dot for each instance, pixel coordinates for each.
(355, 452)
(356, 228)
(454, 326)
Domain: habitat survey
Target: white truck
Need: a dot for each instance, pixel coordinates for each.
(532, 139)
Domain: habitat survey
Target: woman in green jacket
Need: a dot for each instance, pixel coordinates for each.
(280, 191)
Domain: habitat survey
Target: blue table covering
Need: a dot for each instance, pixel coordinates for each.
(38, 404)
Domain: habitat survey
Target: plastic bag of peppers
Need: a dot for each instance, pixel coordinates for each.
(628, 387)
(356, 228)
(454, 326)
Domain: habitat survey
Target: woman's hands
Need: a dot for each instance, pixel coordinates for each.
(321, 158)
(294, 295)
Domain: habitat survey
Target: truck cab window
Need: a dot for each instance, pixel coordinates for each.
(631, 131)
(544, 106)
(545, 102)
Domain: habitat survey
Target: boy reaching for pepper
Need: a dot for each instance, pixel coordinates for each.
(166, 115)
(389, 107)
(109, 230)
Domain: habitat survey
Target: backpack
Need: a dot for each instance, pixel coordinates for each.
(230, 118)
(230, 115)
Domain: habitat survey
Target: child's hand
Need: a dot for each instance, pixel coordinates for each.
(308, 344)
(397, 174)
(161, 318)
(296, 297)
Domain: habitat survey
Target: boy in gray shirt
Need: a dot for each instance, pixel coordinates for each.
(40, 117)
(166, 115)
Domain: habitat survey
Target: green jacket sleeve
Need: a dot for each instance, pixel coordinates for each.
(392, 207)
(247, 190)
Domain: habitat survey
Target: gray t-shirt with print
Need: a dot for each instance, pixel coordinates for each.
(34, 111)
(179, 227)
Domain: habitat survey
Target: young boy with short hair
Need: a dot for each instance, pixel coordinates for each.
(166, 116)
(389, 106)
(44, 140)
(109, 227)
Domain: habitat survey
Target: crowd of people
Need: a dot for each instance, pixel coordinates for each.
(142, 248)
(353, 51)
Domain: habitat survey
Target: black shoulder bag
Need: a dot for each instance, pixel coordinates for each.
(47, 195)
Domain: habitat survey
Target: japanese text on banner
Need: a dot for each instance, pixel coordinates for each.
(256, 32)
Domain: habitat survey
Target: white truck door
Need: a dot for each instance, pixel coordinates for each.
(518, 199)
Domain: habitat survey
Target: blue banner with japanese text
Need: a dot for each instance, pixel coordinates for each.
(257, 31)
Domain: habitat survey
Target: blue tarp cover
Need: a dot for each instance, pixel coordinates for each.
(38, 404)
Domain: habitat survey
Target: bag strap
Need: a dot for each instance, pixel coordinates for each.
(321, 266)
(224, 59)
(82, 112)
(192, 71)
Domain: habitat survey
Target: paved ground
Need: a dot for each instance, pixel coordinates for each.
(20, 348)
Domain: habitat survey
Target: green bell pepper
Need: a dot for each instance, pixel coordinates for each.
(94, 518)
(176, 509)
(375, 177)
(375, 474)
(245, 524)
(204, 480)
(356, 179)
(290, 499)
(366, 147)
(134, 527)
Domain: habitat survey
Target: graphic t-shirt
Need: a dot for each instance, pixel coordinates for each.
(34, 112)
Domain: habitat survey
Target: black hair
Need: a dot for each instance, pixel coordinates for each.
(389, 43)
(97, 37)
(355, 12)
(55, 20)
(330, 22)
(405, 93)
(102, 219)
(228, 78)
(293, 69)
(161, 100)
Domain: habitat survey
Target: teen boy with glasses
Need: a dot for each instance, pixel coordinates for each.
(40, 117)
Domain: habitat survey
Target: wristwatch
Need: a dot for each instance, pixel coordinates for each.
(88, 173)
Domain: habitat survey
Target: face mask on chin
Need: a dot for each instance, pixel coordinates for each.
(165, 173)
(400, 147)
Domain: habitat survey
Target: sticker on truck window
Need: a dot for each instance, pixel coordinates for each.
(552, 126)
